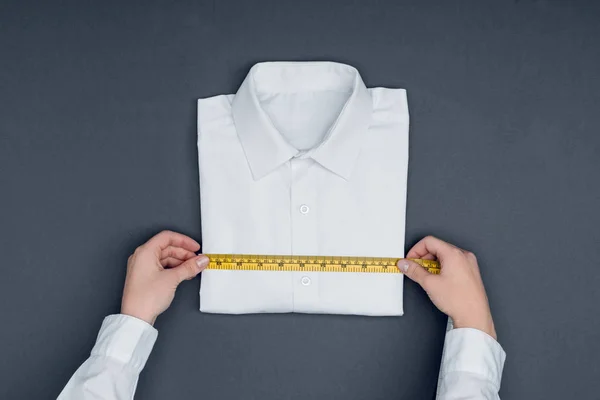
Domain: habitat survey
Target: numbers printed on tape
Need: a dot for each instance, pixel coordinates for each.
(255, 262)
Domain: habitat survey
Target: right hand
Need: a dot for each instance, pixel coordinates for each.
(458, 290)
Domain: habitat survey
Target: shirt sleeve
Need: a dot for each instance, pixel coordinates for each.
(119, 355)
(471, 368)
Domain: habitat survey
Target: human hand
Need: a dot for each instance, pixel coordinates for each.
(155, 270)
(458, 290)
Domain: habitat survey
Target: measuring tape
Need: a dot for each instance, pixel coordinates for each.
(254, 262)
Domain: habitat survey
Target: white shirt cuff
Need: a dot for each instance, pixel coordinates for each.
(473, 351)
(126, 339)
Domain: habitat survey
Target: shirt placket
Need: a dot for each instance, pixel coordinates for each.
(304, 235)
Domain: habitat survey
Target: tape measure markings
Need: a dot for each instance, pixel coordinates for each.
(255, 262)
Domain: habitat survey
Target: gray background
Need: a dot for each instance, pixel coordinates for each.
(97, 153)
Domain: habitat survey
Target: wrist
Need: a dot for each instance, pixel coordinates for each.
(484, 324)
(146, 317)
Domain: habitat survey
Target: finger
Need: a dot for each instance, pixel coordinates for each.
(415, 272)
(168, 238)
(427, 256)
(189, 269)
(171, 262)
(177, 252)
(430, 245)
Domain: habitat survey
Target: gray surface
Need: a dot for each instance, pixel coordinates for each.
(97, 153)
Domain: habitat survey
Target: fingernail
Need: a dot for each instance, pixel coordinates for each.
(403, 265)
(203, 262)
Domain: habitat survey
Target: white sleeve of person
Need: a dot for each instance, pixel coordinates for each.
(119, 355)
(471, 367)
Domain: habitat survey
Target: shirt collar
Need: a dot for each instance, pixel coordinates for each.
(264, 146)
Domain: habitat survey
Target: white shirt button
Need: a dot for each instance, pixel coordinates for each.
(305, 280)
(304, 209)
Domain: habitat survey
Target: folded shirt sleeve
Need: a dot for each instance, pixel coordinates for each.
(471, 368)
(123, 345)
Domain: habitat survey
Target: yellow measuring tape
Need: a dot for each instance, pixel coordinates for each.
(254, 262)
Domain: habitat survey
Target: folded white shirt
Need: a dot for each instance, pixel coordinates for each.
(303, 160)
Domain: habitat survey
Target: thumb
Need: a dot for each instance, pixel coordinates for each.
(189, 269)
(414, 271)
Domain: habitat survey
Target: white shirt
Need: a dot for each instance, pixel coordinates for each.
(471, 367)
(303, 160)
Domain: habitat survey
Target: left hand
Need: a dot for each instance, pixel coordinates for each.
(155, 270)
